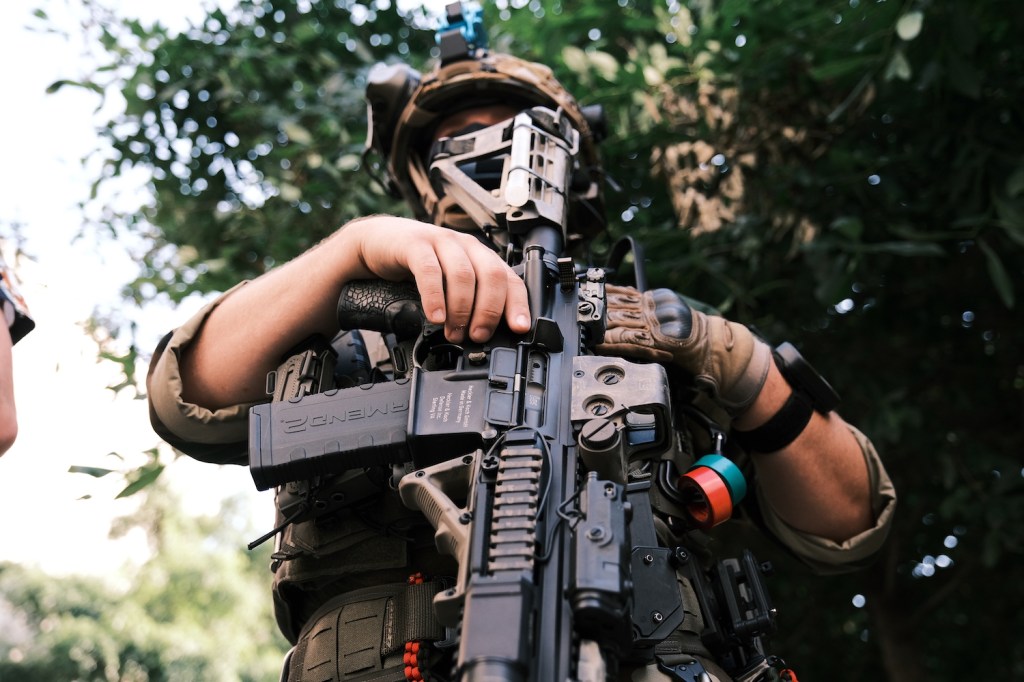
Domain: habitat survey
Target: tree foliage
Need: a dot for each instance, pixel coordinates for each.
(198, 609)
(846, 174)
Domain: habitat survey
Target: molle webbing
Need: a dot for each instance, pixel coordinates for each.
(361, 635)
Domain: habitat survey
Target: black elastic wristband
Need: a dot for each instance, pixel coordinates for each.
(18, 324)
(782, 429)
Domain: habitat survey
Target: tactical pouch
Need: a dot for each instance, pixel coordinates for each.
(317, 558)
(361, 635)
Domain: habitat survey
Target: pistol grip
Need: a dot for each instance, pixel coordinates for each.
(381, 306)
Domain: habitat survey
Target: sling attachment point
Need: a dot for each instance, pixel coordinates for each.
(687, 671)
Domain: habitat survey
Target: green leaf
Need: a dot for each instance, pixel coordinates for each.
(95, 472)
(906, 248)
(144, 477)
(898, 67)
(604, 64)
(841, 67)
(1010, 218)
(997, 273)
(850, 227)
(57, 85)
(348, 162)
(909, 25)
(290, 192)
(296, 133)
(1015, 183)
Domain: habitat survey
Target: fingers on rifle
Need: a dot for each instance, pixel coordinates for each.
(468, 287)
(630, 318)
(429, 275)
(517, 305)
(621, 336)
(494, 289)
(460, 284)
(621, 295)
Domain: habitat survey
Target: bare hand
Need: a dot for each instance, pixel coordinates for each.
(463, 283)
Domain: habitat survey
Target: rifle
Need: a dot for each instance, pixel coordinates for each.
(519, 446)
(518, 450)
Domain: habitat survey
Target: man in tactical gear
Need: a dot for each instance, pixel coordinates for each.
(349, 586)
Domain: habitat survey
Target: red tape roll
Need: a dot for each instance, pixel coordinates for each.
(712, 502)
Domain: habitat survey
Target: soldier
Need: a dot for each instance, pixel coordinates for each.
(347, 589)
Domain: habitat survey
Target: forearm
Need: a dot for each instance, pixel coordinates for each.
(246, 335)
(8, 414)
(461, 282)
(819, 482)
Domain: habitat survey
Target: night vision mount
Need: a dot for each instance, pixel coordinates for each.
(463, 32)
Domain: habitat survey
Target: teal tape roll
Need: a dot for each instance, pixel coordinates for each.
(730, 473)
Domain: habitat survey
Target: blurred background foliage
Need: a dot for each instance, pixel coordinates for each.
(198, 609)
(848, 175)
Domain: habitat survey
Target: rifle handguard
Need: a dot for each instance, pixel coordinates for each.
(382, 306)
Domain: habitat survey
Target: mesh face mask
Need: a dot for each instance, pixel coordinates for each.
(406, 108)
(507, 178)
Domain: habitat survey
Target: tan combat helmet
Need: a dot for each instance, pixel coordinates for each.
(406, 108)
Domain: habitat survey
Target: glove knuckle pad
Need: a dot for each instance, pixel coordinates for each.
(672, 316)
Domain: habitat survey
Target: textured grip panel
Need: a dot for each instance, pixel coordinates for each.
(381, 306)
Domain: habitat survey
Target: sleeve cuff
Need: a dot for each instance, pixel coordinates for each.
(827, 556)
(189, 421)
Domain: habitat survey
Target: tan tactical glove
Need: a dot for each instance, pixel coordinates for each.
(724, 357)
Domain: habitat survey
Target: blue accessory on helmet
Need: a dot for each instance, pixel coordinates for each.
(463, 32)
